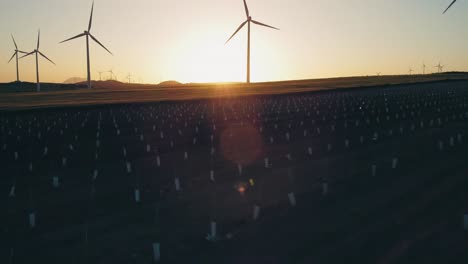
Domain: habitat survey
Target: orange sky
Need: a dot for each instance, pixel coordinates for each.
(184, 40)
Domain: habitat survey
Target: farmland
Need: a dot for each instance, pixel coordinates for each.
(16, 96)
(296, 172)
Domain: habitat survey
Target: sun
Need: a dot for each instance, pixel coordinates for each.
(204, 56)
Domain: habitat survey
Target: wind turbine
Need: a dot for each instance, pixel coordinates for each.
(16, 53)
(248, 21)
(112, 75)
(449, 6)
(439, 67)
(37, 52)
(87, 34)
(410, 71)
(424, 68)
(129, 78)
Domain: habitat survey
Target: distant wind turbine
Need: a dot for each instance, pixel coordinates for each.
(410, 71)
(112, 75)
(248, 21)
(87, 33)
(439, 67)
(424, 68)
(16, 53)
(449, 6)
(37, 52)
(129, 78)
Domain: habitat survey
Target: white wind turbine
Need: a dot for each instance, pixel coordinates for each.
(248, 21)
(16, 53)
(88, 35)
(37, 52)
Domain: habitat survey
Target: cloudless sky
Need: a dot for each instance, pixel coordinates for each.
(184, 40)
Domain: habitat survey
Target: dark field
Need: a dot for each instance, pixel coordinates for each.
(378, 175)
(16, 96)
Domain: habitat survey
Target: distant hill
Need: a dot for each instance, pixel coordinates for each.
(170, 83)
(74, 80)
(236, 88)
(104, 84)
(454, 72)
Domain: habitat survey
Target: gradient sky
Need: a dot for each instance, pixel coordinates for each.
(184, 39)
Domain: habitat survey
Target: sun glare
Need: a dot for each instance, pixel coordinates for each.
(203, 56)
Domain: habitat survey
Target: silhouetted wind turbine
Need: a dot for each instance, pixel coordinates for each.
(36, 51)
(424, 68)
(87, 33)
(449, 6)
(248, 21)
(112, 75)
(129, 78)
(410, 71)
(16, 53)
(439, 67)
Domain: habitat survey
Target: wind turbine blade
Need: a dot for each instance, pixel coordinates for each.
(246, 9)
(38, 37)
(24, 52)
(91, 17)
(46, 57)
(16, 46)
(30, 53)
(261, 24)
(449, 6)
(99, 43)
(239, 28)
(77, 36)
(12, 56)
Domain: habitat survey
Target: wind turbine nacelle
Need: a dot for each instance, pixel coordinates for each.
(250, 18)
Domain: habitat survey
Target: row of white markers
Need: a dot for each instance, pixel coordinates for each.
(212, 236)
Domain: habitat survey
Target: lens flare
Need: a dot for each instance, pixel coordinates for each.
(241, 144)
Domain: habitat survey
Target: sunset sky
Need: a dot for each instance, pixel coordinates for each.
(184, 40)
